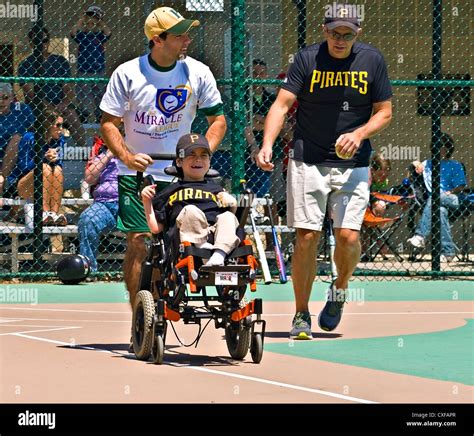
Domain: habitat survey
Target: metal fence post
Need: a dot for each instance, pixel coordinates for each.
(238, 92)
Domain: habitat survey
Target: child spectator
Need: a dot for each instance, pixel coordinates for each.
(196, 205)
(91, 33)
(101, 216)
(378, 181)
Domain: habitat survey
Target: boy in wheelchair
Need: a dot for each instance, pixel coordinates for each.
(183, 218)
(199, 207)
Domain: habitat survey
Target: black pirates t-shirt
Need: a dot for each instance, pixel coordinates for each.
(168, 203)
(335, 96)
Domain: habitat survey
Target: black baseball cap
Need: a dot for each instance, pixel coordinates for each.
(342, 16)
(189, 142)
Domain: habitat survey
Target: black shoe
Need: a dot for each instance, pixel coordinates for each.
(331, 315)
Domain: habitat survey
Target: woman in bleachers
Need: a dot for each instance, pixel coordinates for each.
(53, 177)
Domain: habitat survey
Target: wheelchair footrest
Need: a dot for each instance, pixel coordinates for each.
(227, 275)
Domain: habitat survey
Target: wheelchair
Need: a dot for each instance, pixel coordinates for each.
(175, 285)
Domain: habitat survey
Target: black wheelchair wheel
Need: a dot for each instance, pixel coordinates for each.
(237, 337)
(142, 320)
(158, 350)
(256, 347)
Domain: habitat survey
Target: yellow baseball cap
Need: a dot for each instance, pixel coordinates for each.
(167, 20)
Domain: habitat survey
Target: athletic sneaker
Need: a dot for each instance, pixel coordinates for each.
(331, 315)
(417, 241)
(301, 327)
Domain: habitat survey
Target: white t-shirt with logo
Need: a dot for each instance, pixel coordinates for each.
(158, 107)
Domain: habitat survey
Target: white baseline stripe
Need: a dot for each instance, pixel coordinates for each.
(280, 384)
(265, 314)
(36, 331)
(59, 310)
(378, 313)
(29, 325)
(68, 344)
(72, 320)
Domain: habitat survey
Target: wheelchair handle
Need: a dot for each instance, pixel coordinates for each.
(154, 156)
(162, 156)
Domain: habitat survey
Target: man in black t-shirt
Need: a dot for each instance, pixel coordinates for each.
(344, 98)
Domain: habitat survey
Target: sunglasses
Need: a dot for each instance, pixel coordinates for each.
(339, 36)
(59, 125)
(4, 97)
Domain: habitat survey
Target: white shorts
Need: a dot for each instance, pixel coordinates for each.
(310, 187)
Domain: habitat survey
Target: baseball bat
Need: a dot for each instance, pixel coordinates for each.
(258, 242)
(276, 245)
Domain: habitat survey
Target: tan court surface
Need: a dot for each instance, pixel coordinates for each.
(402, 342)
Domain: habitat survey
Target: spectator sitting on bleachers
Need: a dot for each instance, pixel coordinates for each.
(53, 177)
(58, 97)
(453, 181)
(101, 216)
(91, 33)
(15, 120)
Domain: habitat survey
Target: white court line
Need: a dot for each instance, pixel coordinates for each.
(7, 320)
(36, 331)
(68, 344)
(222, 373)
(265, 314)
(379, 313)
(29, 325)
(71, 320)
(280, 384)
(59, 310)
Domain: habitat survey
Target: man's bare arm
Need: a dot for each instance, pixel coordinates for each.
(113, 138)
(216, 131)
(28, 91)
(380, 119)
(69, 95)
(9, 158)
(349, 143)
(273, 124)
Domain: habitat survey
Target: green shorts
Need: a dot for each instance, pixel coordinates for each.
(131, 216)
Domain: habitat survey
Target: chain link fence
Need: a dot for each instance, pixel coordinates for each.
(55, 61)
